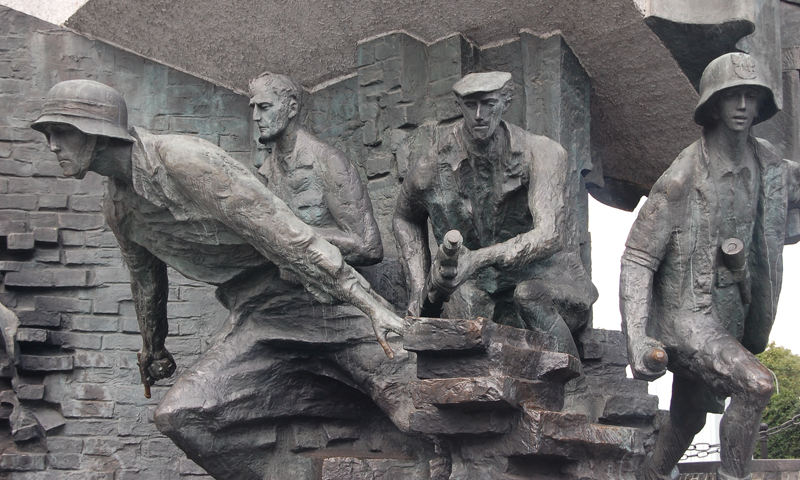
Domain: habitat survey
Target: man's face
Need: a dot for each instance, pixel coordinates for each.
(272, 112)
(73, 148)
(482, 113)
(737, 107)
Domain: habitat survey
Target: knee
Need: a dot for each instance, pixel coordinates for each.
(532, 295)
(760, 386)
(179, 415)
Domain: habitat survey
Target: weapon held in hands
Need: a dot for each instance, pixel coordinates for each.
(433, 299)
(143, 373)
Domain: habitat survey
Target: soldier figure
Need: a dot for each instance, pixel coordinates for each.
(181, 201)
(505, 191)
(702, 271)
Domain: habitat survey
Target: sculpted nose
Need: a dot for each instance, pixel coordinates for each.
(53, 145)
(256, 114)
(478, 113)
(742, 102)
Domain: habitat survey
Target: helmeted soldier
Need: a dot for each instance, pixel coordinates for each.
(701, 272)
(181, 201)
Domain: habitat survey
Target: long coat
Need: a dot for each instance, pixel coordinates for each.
(676, 236)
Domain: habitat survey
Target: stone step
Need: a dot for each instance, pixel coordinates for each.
(449, 335)
(500, 360)
(356, 468)
(487, 392)
(440, 421)
(571, 435)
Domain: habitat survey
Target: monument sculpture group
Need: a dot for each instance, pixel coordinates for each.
(484, 223)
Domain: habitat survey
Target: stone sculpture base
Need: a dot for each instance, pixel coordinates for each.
(496, 396)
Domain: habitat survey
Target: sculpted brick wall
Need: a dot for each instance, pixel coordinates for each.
(78, 389)
(76, 409)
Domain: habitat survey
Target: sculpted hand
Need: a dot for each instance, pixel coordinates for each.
(383, 322)
(648, 358)
(447, 277)
(156, 365)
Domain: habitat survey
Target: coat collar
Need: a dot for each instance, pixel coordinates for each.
(454, 145)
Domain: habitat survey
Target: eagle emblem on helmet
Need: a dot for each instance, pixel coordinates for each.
(743, 66)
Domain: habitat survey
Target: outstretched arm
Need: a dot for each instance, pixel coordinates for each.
(150, 289)
(225, 190)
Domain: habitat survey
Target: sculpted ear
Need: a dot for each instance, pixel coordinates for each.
(294, 107)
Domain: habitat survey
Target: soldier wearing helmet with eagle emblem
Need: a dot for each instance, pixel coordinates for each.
(702, 268)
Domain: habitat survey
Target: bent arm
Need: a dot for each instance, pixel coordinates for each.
(547, 197)
(645, 249)
(411, 232)
(357, 237)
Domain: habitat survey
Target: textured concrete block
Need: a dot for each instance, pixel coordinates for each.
(43, 219)
(54, 202)
(48, 278)
(101, 446)
(61, 444)
(20, 241)
(22, 462)
(74, 340)
(101, 239)
(88, 409)
(64, 461)
(95, 359)
(88, 391)
(73, 238)
(122, 342)
(16, 168)
(379, 163)
(105, 257)
(93, 323)
(160, 447)
(62, 304)
(30, 392)
(45, 234)
(86, 203)
(18, 202)
(9, 266)
(305, 437)
(33, 335)
(31, 318)
(47, 363)
(80, 221)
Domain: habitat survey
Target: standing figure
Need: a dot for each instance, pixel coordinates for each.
(701, 272)
(505, 191)
(179, 201)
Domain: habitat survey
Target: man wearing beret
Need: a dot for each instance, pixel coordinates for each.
(701, 272)
(505, 191)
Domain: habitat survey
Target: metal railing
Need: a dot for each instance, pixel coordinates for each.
(702, 450)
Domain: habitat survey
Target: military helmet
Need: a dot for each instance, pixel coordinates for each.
(733, 70)
(89, 106)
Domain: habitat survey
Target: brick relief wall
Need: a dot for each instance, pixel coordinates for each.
(78, 398)
(76, 409)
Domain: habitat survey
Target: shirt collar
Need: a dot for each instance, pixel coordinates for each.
(457, 141)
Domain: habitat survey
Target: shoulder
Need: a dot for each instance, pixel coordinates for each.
(681, 175)
(542, 149)
(322, 154)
